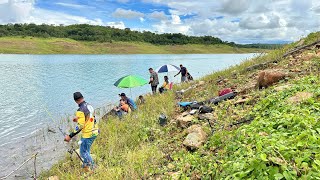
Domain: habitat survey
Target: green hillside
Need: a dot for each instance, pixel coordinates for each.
(279, 140)
(33, 45)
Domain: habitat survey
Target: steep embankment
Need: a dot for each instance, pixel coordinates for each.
(272, 133)
(33, 45)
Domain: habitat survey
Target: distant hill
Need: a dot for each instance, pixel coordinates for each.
(37, 45)
(85, 32)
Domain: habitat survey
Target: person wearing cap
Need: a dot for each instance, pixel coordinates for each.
(128, 101)
(87, 125)
(154, 80)
(184, 72)
(122, 109)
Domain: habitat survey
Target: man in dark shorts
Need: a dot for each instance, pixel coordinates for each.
(184, 72)
(154, 80)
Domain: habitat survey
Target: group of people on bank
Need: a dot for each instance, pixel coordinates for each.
(127, 105)
(88, 126)
(154, 79)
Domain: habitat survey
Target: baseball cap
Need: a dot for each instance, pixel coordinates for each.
(122, 94)
(77, 96)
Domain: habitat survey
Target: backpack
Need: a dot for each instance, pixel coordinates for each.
(195, 106)
(225, 91)
(190, 78)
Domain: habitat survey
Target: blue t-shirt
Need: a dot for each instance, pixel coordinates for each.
(132, 104)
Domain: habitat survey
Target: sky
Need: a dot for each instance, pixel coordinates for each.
(240, 21)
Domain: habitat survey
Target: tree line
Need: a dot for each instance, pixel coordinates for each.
(85, 32)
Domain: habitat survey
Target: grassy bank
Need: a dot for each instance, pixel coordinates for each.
(282, 142)
(32, 45)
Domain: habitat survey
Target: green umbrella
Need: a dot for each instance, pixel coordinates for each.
(130, 82)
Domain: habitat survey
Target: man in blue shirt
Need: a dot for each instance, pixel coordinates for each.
(129, 101)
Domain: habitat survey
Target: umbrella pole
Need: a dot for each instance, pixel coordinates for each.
(169, 76)
(131, 93)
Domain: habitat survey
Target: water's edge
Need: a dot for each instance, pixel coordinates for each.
(46, 138)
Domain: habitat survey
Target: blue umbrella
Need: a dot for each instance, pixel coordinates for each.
(168, 68)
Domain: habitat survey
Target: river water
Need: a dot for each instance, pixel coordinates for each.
(36, 93)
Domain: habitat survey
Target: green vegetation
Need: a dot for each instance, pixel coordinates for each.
(282, 142)
(85, 32)
(33, 45)
(89, 39)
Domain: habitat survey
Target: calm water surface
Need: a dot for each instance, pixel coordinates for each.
(31, 85)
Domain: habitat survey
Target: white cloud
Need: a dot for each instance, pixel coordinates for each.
(235, 6)
(242, 20)
(174, 25)
(129, 14)
(23, 11)
(175, 19)
(40, 16)
(158, 15)
(12, 11)
(262, 21)
(142, 19)
(119, 25)
(231, 20)
(316, 9)
(76, 6)
(167, 27)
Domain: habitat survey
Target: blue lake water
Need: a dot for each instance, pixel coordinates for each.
(30, 84)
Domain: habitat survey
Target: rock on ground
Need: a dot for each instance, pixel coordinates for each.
(195, 138)
(170, 166)
(247, 88)
(184, 121)
(174, 175)
(242, 101)
(206, 116)
(269, 77)
(53, 178)
(283, 87)
(299, 97)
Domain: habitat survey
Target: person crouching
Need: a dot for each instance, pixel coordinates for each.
(165, 85)
(122, 109)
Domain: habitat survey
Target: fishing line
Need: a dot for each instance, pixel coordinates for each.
(72, 149)
(51, 117)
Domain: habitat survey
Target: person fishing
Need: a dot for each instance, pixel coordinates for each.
(184, 72)
(87, 124)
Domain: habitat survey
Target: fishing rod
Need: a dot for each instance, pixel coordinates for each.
(72, 149)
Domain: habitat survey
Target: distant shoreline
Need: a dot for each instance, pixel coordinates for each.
(34, 45)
